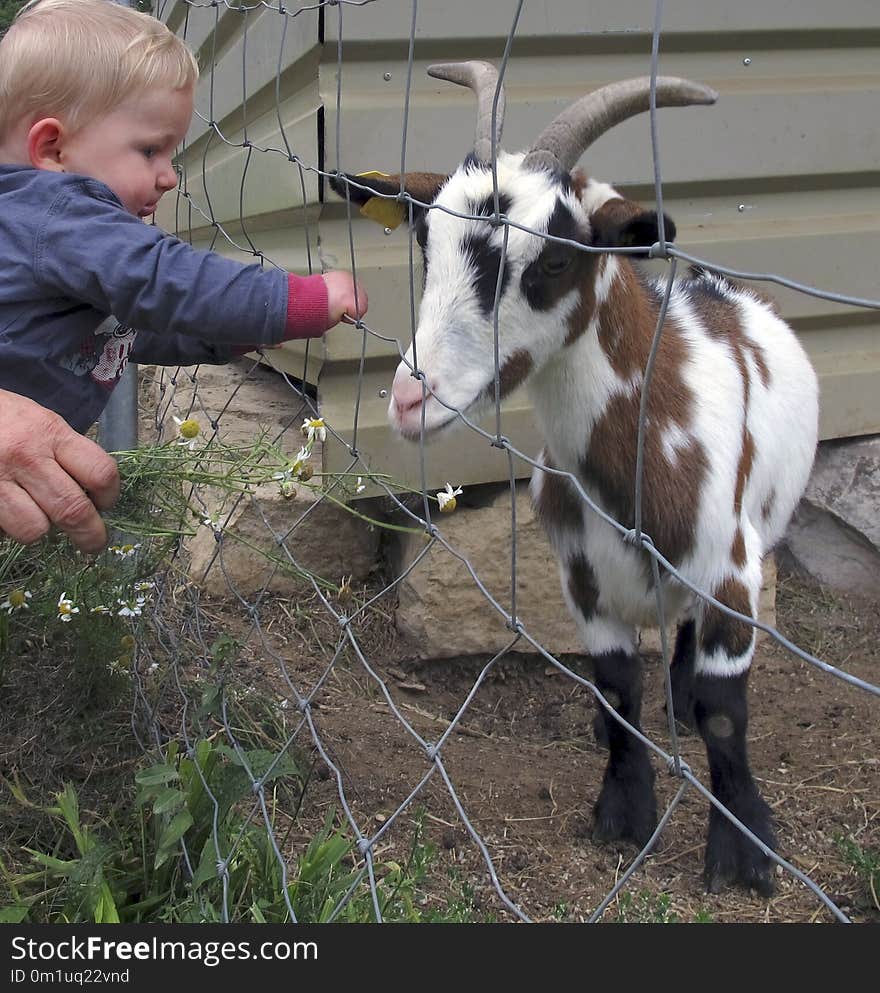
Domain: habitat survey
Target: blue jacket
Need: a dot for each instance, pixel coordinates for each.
(72, 256)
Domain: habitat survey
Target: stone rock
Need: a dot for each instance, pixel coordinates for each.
(241, 399)
(443, 613)
(245, 403)
(835, 533)
(322, 538)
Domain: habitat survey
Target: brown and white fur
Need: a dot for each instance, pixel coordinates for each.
(731, 434)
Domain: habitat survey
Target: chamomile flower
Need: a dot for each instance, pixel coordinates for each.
(16, 600)
(187, 431)
(146, 586)
(359, 486)
(446, 498)
(314, 427)
(288, 490)
(125, 551)
(66, 609)
(101, 609)
(295, 468)
(131, 608)
(300, 465)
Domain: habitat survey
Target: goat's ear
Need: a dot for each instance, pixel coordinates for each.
(362, 190)
(621, 223)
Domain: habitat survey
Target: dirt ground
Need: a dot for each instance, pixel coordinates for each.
(525, 769)
(521, 761)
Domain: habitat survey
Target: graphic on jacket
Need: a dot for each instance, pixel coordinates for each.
(105, 355)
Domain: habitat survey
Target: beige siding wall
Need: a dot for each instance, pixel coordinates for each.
(781, 176)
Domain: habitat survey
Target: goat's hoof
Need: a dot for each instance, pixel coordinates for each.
(758, 878)
(732, 859)
(626, 810)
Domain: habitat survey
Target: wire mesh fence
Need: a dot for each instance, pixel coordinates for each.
(184, 621)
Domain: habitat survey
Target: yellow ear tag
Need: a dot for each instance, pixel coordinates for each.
(388, 213)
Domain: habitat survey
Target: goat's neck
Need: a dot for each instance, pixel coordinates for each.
(572, 390)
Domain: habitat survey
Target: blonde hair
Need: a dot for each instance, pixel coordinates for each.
(79, 59)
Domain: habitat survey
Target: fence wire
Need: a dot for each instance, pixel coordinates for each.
(181, 619)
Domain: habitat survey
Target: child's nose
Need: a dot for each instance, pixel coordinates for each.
(167, 179)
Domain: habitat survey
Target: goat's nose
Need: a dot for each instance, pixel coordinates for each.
(406, 390)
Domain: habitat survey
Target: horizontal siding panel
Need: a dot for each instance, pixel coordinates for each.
(263, 182)
(760, 128)
(830, 242)
(247, 63)
(283, 244)
(781, 176)
(847, 360)
(389, 20)
(460, 456)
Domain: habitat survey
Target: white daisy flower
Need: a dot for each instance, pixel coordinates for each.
(144, 587)
(125, 551)
(294, 468)
(16, 600)
(130, 608)
(188, 430)
(314, 427)
(66, 608)
(446, 498)
(100, 609)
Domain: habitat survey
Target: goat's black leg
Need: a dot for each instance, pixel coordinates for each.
(725, 647)
(626, 808)
(681, 673)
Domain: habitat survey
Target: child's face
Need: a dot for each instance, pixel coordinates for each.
(130, 148)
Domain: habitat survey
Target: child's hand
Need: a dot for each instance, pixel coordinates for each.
(341, 296)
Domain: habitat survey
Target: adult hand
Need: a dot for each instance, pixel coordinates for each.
(50, 474)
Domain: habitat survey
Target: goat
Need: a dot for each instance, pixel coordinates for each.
(731, 424)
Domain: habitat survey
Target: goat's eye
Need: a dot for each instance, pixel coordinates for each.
(556, 265)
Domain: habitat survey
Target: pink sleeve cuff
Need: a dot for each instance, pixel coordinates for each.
(308, 315)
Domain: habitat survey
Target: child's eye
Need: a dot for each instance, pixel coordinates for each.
(149, 152)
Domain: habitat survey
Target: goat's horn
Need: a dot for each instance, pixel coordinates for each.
(482, 78)
(566, 139)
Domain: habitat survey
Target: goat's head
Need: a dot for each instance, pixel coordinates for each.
(546, 289)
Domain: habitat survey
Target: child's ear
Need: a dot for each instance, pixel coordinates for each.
(45, 139)
(621, 223)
